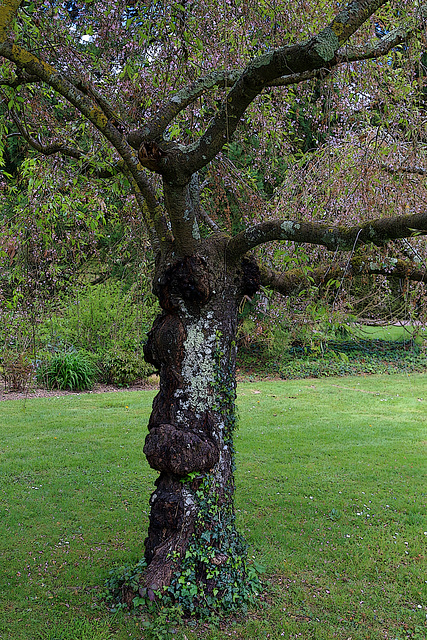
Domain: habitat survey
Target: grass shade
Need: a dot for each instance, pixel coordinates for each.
(330, 494)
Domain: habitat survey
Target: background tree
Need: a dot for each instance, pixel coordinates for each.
(150, 97)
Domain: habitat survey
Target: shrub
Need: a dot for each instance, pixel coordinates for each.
(17, 370)
(102, 318)
(122, 367)
(73, 370)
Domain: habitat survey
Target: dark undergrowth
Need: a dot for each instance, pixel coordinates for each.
(335, 358)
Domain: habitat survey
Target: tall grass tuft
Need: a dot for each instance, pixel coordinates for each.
(71, 370)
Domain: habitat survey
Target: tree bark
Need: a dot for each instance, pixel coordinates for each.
(190, 439)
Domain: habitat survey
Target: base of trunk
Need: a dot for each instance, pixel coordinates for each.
(213, 576)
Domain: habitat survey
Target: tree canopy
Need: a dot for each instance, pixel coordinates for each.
(161, 89)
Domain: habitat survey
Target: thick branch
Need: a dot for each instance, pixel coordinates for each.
(376, 48)
(8, 9)
(377, 232)
(48, 74)
(92, 111)
(295, 280)
(102, 103)
(318, 52)
(178, 102)
(181, 212)
(373, 49)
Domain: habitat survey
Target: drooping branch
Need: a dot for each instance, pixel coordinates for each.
(418, 170)
(378, 232)
(89, 108)
(65, 150)
(295, 280)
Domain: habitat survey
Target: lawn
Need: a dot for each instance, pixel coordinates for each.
(331, 496)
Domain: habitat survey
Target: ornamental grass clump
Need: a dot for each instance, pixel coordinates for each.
(71, 370)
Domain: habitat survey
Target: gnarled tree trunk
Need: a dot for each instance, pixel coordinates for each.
(190, 440)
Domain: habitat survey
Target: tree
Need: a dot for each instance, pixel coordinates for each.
(108, 89)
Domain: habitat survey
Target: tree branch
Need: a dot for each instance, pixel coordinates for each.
(71, 152)
(177, 103)
(181, 212)
(154, 221)
(200, 212)
(373, 49)
(19, 80)
(419, 170)
(295, 78)
(295, 280)
(8, 9)
(106, 107)
(318, 52)
(376, 48)
(94, 113)
(377, 232)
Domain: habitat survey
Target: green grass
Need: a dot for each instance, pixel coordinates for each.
(331, 496)
(389, 332)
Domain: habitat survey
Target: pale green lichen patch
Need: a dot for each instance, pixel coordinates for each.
(198, 367)
(7, 14)
(289, 227)
(327, 44)
(262, 61)
(195, 231)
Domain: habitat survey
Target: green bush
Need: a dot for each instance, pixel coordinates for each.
(72, 370)
(122, 367)
(101, 318)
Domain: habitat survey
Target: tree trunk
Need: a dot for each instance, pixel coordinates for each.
(192, 546)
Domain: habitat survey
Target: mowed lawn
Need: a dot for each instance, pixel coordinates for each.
(331, 491)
